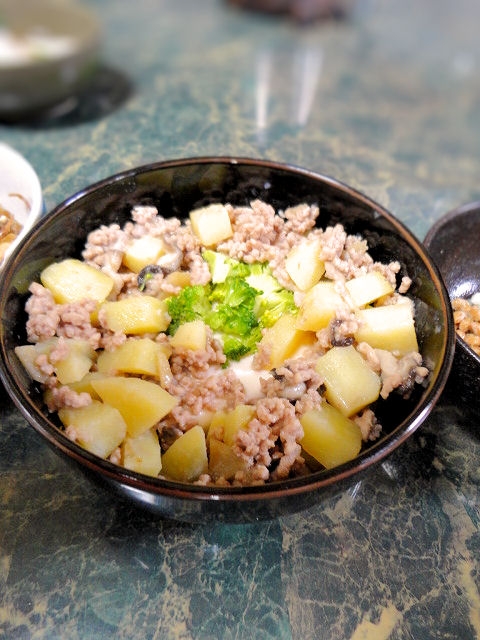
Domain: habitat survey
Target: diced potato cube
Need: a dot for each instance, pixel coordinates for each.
(85, 384)
(27, 354)
(329, 436)
(142, 454)
(186, 459)
(235, 420)
(73, 367)
(349, 382)
(281, 340)
(142, 252)
(97, 427)
(391, 327)
(190, 335)
(223, 461)
(303, 264)
(136, 315)
(138, 356)
(142, 403)
(77, 363)
(216, 427)
(319, 306)
(211, 224)
(369, 287)
(180, 279)
(73, 280)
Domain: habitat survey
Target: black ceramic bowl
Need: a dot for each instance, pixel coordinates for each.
(176, 187)
(453, 243)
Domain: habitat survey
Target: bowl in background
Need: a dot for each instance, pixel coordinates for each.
(454, 244)
(175, 187)
(48, 52)
(20, 195)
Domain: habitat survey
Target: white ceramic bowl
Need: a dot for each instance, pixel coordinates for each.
(20, 192)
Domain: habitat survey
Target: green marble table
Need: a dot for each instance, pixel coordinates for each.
(387, 101)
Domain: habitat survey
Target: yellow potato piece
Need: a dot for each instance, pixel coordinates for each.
(142, 252)
(391, 327)
(303, 264)
(73, 280)
(235, 420)
(216, 427)
(319, 306)
(186, 459)
(72, 368)
(282, 340)
(142, 454)
(190, 335)
(138, 356)
(98, 428)
(223, 461)
(27, 354)
(136, 315)
(367, 288)
(211, 224)
(85, 384)
(349, 382)
(329, 436)
(77, 363)
(142, 403)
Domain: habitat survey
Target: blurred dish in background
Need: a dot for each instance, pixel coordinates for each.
(301, 10)
(21, 202)
(49, 51)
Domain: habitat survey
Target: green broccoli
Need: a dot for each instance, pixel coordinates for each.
(272, 300)
(240, 300)
(192, 303)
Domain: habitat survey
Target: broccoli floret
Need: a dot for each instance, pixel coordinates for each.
(240, 301)
(273, 300)
(235, 292)
(270, 308)
(218, 263)
(233, 316)
(221, 266)
(235, 347)
(192, 303)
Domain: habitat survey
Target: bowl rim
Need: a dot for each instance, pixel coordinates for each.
(281, 488)
(458, 212)
(35, 195)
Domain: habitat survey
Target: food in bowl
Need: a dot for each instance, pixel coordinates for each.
(37, 44)
(9, 231)
(240, 346)
(466, 315)
(21, 202)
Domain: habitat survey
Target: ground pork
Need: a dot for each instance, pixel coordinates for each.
(369, 426)
(293, 380)
(43, 314)
(47, 319)
(65, 396)
(218, 392)
(271, 437)
(105, 247)
(400, 373)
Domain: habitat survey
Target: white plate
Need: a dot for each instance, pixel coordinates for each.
(20, 191)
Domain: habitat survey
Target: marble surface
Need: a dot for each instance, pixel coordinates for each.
(387, 101)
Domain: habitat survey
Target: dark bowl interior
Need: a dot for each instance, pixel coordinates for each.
(453, 243)
(175, 187)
